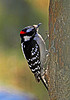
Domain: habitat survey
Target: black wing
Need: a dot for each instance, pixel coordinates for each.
(32, 54)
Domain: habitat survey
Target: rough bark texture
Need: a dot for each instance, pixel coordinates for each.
(59, 42)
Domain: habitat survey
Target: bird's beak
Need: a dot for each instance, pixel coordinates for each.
(38, 25)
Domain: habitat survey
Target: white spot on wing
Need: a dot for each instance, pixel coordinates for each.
(34, 69)
(32, 54)
(33, 58)
(39, 72)
(36, 50)
(38, 67)
(30, 66)
(36, 63)
(29, 60)
(32, 49)
(37, 53)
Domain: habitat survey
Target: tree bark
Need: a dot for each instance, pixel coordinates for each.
(59, 45)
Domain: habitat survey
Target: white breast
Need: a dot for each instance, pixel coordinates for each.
(42, 46)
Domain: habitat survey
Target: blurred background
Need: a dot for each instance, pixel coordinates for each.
(14, 16)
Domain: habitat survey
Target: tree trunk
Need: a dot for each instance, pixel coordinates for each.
(59, 44)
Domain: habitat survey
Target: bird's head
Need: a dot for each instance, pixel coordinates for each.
(28, 32)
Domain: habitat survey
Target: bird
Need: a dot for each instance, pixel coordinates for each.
(34, 49)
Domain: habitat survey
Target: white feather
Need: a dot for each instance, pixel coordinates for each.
(22, 49)
(27, 38)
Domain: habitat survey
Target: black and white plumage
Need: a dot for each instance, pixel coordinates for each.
(34, 49)
(32, 54)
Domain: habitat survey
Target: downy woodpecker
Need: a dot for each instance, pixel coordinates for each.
(34, 49)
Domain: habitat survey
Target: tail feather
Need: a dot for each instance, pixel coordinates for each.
(44, 82)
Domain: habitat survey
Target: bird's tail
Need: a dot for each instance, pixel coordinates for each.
(45, 83)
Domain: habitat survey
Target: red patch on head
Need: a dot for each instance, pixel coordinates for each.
(22, 32)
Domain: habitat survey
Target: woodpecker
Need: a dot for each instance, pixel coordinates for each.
(34, 49)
